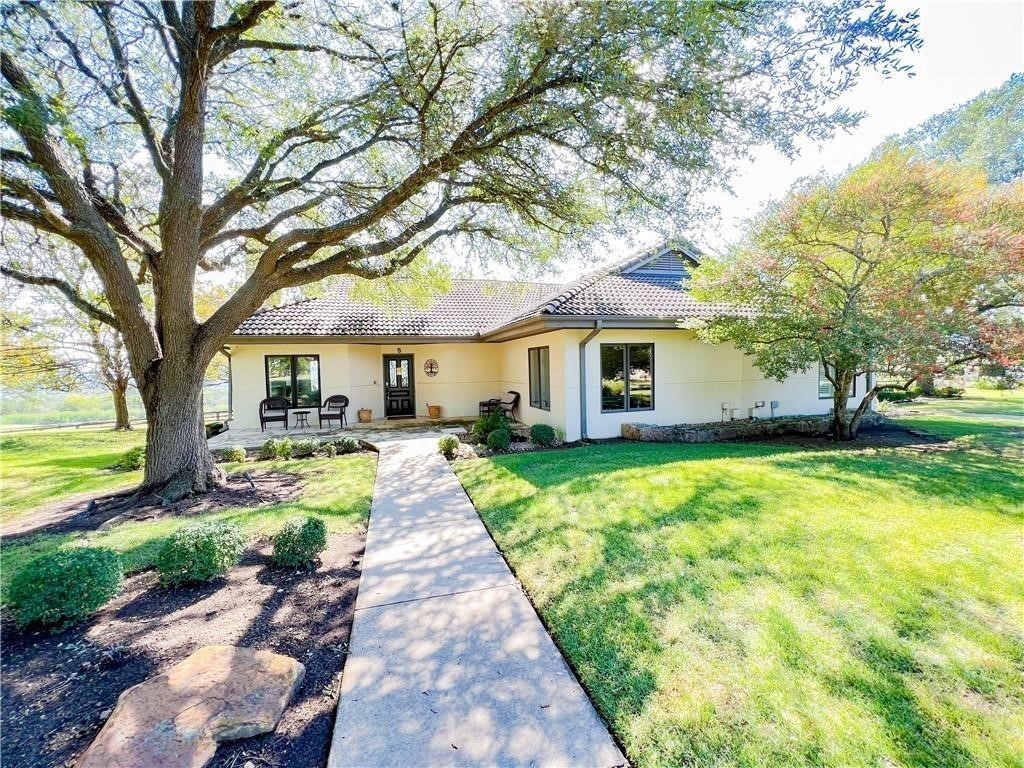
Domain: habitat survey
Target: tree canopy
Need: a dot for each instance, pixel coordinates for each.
(295, 141)
(901, 267)
(986, 132)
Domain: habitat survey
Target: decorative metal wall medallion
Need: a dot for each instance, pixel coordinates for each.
(430, 367)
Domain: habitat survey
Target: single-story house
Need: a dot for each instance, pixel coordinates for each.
(610, 348)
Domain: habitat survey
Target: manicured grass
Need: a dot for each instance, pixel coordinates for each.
(987, 419)
(47, 466)
(759, 605)
(337, 489)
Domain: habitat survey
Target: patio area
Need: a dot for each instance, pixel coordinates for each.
(378, 430)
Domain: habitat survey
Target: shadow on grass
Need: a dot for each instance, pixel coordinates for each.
(608, 619)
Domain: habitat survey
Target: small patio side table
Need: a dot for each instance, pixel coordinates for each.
(301, 419)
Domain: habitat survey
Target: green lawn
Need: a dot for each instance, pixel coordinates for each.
(48, 466)
(984, 419)
(759, 605)
(337, 489)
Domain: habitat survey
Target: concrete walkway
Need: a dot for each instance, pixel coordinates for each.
(448, 663)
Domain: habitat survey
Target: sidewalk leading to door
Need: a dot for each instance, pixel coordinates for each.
(449, 664)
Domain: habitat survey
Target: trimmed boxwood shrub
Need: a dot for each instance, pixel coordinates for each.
(307, 446)
(346, 444)
(234, 453)
(299, 542)
(898, 395)
(485, 425)
(542, 434)
(448, 445)
(62, 587)
(132, 460)
(499, 440)
(199, 552)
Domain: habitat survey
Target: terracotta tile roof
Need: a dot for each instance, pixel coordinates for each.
(650, 285)
(466, 310)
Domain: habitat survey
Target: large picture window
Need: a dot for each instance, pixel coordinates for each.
(296, 378)
(825, 388)
(540, 377)
(627, 377)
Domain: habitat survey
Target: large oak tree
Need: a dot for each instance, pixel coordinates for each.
(299, 140)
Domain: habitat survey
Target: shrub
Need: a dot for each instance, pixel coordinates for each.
(269, 449)
(448, 445)
(199, 552)
(306, 447)
(542, 434)
(485, 425)
(64, 586)
(234, 453)
(346, 445)
(994, 383)
(300, 541)
(330, 449)
(898, 395)
(284, 448)
(499, 440)
(948, 392)
(132, 460)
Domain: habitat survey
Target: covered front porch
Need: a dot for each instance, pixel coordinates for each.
(373, 431)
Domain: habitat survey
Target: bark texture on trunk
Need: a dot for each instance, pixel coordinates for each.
(178, 460)
(842, 427)
(122, 419)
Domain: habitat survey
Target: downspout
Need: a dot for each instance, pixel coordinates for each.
(231, 389)
(598, 325)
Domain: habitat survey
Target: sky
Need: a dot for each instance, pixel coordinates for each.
(969, 47)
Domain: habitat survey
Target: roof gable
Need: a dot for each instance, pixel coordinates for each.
(667, 264)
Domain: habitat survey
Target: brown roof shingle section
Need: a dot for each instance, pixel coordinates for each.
(650, 286)
(467, 309)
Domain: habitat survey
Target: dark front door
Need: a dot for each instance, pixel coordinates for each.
(399, 397)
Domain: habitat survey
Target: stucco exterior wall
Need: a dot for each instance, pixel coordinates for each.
(692, 380)
(515, 372)
(467, 373)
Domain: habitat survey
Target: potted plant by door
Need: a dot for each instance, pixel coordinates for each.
(365, 415)
(434, 411)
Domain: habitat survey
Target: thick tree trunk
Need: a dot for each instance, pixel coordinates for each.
(842, 428)
(122, 419)
(927, 383)
(178, 460)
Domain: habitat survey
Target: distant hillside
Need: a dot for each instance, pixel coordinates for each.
(987, 131)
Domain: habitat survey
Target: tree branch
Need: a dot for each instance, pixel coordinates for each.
(64, 287)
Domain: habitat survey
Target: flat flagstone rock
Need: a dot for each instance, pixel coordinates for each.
(219, 693)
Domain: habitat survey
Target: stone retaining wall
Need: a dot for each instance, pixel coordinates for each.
(746, 429)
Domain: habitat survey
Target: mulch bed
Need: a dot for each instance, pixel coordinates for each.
(883, 435)
(265, 488)
(56, 688)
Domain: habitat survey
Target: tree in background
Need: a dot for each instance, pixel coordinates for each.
(296, 141)
(28, 359)
(53, 347)
(987, 132)
(900, 268)
(74, 349)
